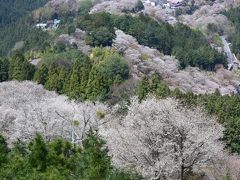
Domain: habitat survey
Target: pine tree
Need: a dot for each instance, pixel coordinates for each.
(162, 90)
(73, 90)
(154, 82)
(117, 80)
(98, 86)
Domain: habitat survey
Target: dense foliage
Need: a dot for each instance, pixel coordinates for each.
(17, 25)
(16, 68)
(234, 16)
(19, 68)
(11, 11)
(58, 159)
(70, 72)
(189, 46)
(226, 108)
(85, 78)
(4, 66)
(60, 54)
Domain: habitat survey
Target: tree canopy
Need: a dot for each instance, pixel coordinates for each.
(189, 46)
(15, 23)
(226, 108)
(58, 159)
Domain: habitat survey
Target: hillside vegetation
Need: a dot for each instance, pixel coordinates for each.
(226, 108)
(11, 11)
(97, 97)
(58, 159)
(189, 46)
(151, 137)
(234, 16)
(15, 22)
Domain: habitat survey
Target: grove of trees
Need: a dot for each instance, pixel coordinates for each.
(58, 160)
(162, 134)
(163, 139)
(157, 138)
(87, 78)
(189, 46)
(234, 16)
(71, 73)
(16, 23)
(226, 108)
(27, 108)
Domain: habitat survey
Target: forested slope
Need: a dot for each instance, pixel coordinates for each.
(11, 11)
(234, 16)
(189, 46)
(15, 21)
(85, 99)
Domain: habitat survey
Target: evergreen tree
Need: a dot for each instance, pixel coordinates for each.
(62, 79)
(162, 90)
(111, 69)
(59, 159)
(71, 29)
(19, 68)
(52, 83)
(94, 160)
(143, 88)
(79, 78)
(38, 154)
(117, 80)
(153, 83)
(3, 150)
(4, 67)
(41, 74)
(97, 87)
(73, 90)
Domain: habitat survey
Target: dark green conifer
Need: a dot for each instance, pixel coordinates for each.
(41, 75)
(19, 68)
(38, 154)
(4, 67)
(143, 88)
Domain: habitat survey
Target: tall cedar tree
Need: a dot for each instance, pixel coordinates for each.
(41, 74)
(19, 68)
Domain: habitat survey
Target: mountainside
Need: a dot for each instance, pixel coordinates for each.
(120, 89)
(15, 21)
(11, 11)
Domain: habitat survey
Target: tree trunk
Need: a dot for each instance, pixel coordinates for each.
(182, 172)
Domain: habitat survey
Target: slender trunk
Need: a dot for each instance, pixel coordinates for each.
(182, 172)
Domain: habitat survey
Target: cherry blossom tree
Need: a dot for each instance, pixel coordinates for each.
(26, 109)
(162, 139)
